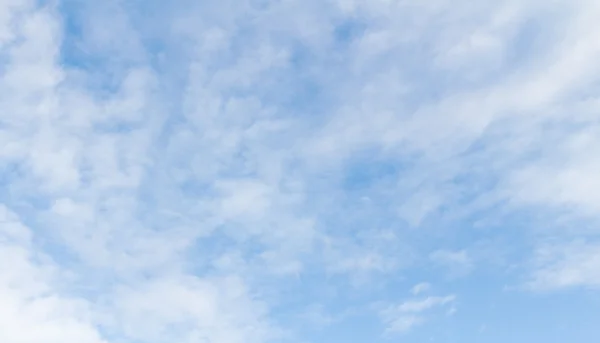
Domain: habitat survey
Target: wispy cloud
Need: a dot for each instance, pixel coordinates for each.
(420, 288)
(458, 263)
(403, 317)
(570, 264)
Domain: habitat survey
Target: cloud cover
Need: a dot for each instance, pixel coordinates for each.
(213, 171)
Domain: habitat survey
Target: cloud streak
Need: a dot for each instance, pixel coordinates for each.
(403, 317)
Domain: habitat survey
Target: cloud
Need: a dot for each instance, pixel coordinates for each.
(458, 263)
(97, 252)
(190, 309)
(422, 305)
(420, 288)
(565, 178)
(574, 264)
(34, 310)
(402, 317)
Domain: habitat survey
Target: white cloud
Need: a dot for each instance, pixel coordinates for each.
(366, 256)
(574, 264)
(566, 177)
(190, 309)
(458, 263)
(86, 154)
(529, 134)
(522, 104)
(403, 324)
(402, 317)
(33, 310)
(425, 304)
(420, 288)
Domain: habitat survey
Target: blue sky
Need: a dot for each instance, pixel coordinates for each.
(260, 171)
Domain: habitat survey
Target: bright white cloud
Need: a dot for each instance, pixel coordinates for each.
(33, 308)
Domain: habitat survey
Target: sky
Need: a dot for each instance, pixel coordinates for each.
(299, 171)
